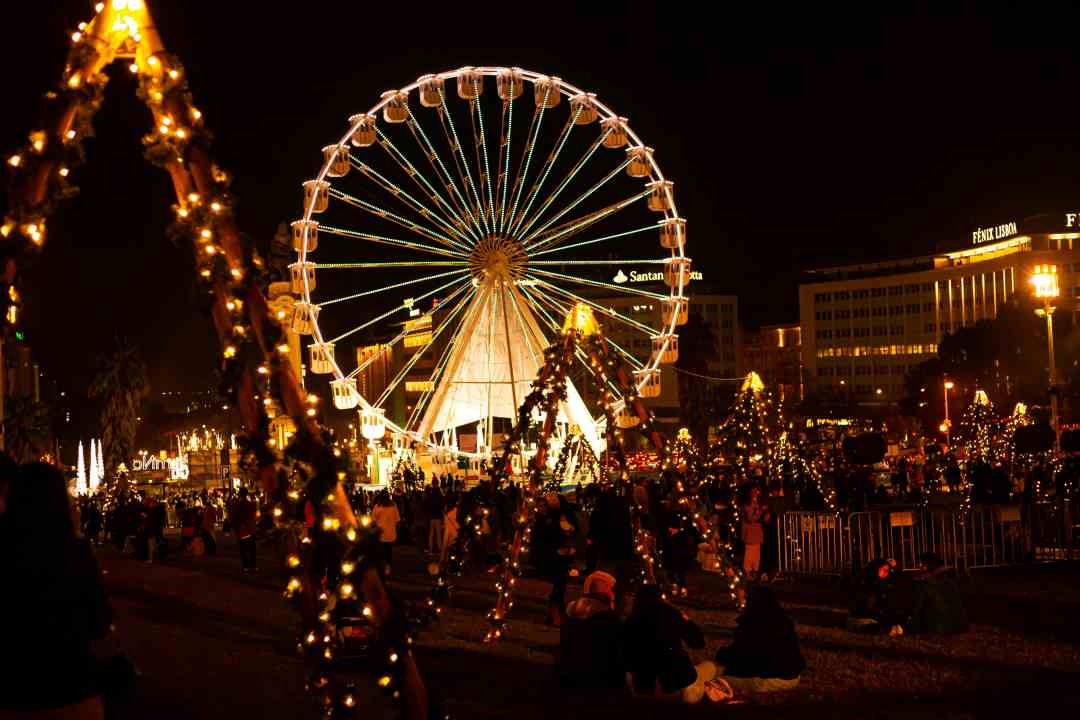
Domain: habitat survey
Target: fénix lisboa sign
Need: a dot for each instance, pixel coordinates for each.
(990, 234)
(644, 277)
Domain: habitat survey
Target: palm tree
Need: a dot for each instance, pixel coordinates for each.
(27, 428)
(121, 383)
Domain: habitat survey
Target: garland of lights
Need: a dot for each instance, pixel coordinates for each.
(578, 447)
(549, 390)
(785, 461)
(232, 273)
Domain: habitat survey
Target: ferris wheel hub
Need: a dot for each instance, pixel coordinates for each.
(497, 257)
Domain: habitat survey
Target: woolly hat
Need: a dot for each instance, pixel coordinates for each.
(600, 583)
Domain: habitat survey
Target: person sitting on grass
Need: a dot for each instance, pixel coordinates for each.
(589, 648)
(764, 652)
(657, 663)
(937, 607)
(872, 609)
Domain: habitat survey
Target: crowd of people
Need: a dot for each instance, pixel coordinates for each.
(619, 633)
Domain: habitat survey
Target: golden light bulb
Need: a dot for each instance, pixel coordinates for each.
(133, 68)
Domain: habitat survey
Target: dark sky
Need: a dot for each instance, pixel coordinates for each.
(794, 142)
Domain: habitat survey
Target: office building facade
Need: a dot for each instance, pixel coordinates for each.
(864, 326)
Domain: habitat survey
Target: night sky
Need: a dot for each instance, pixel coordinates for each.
(793, 142)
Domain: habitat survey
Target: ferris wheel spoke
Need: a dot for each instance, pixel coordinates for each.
(382, 239)
(547, 234)
(545, 170)
(419, 353)
(619, 289)
(620, 261)
(538, 302)
(540, 231)
(565, 181)
(435, 160)
(572, 228)
(506, 128)
(440, 365)
(561, 248)
(526, 158)
(395, 218)
(462, 163)
(449, 210)
(395, 286)
(463, 284)
(387, 265)
(562, 292)
(476, 118)
(412, 203)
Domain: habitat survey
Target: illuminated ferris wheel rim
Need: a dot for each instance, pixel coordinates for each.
(656, 175)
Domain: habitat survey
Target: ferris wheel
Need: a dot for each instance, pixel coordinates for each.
(449, 232)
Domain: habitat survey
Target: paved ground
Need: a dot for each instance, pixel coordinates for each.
(212, 642)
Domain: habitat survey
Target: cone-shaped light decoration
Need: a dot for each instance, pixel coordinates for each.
(80, 478)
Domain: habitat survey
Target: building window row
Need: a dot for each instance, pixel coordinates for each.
(865, 350)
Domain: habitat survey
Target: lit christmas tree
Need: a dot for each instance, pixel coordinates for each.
(684, 454)
(80, 478)
(975, 433)
(745, 438)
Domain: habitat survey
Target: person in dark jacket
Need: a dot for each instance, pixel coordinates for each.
(937, 607)
(244, 521)
(611, 539)
(764, 653)
(872, 608)
(657, 661)
(589, 647)
(53, 607)
(676, 542)
(554, 544)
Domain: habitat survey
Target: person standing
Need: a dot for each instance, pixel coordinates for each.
(244, 523)
(209, 521)
(555, 540)
(386, 517)
(753, 534)
(436, 509)
(53, 608)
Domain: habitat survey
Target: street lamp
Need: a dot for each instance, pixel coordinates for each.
(1044, 278)
(945, 426)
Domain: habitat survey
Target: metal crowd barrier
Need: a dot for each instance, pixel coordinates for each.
(820, 543)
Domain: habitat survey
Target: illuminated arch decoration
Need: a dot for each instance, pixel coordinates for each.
(580, 334)
(254, 346)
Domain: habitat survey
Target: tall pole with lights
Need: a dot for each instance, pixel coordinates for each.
(947, 425)
(1044, 278)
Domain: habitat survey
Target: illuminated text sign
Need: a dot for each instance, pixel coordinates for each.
(998, 232)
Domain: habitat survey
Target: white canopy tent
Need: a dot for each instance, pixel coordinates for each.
(489, 374)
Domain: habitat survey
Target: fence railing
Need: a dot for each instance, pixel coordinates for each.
(820, 543)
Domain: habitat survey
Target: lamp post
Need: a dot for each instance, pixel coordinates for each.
(1044, 278)
(947, 425)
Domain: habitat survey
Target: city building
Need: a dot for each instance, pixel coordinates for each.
(864, 326)
(775, 353)
(718, 310)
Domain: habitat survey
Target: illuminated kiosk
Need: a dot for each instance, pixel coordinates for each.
(453, 243)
